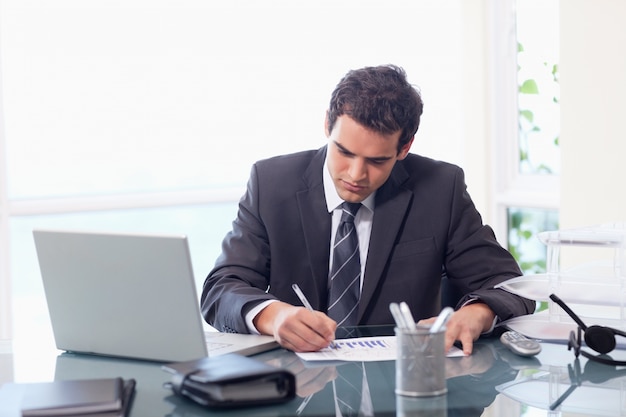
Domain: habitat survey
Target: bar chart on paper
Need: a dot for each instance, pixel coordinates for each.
(362, 349)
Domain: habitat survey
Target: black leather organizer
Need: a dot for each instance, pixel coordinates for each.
(230, 380)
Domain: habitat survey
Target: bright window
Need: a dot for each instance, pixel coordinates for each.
(527, 126)
(537, 25)
(106, 97)
(146, 115)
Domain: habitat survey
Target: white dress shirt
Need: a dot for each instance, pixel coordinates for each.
(362, 222)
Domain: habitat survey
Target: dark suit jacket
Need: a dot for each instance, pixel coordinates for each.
(425, 225)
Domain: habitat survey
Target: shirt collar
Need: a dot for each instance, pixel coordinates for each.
(332, 198)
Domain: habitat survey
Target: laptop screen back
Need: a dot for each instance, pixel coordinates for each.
(121, 295)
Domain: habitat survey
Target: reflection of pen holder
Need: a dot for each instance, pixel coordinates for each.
(421, 407)
(420, 366)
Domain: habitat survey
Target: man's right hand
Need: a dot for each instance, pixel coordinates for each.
(296, 328)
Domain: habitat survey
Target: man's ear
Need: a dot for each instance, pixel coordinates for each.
(404, 151)
(326, 129)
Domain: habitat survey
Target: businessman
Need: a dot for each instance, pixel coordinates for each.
(358, 224)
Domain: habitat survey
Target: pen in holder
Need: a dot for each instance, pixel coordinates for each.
(420, 363)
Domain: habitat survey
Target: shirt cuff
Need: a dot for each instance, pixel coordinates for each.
(253, 313)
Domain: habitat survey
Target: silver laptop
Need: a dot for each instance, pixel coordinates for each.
(129, 295)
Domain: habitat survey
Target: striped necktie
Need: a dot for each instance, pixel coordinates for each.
(345, 274)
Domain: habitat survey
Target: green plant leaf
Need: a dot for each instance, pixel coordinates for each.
(529, 87)
(523, 155)
(543, 168)
(527, 114)
(516, 220)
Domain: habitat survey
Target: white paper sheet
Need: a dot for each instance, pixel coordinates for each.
(363, 349)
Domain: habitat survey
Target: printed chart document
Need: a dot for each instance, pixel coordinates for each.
(363, 349)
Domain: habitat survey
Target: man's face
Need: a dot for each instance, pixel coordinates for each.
(360, 160)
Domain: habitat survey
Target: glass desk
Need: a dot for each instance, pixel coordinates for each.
(491, 382)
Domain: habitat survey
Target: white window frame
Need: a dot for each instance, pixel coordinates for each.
(509, 188)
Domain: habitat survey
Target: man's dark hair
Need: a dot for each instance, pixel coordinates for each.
(379, 98)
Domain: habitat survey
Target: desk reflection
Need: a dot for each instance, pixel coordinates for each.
(149, 391)
(592, 390)
(471, 385)
(324, 389)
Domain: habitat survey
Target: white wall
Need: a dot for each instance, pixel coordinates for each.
(593, 111)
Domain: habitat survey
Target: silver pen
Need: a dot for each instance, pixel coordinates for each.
(409, 321)
(306, 304)
(442, 319)
(301, 296)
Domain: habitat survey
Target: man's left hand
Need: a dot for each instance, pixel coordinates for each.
(466, 325)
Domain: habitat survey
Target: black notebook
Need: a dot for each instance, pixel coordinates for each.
(101, 397)
(231, 380)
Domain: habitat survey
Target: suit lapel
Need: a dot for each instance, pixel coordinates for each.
(316, 224)
(392, 202)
